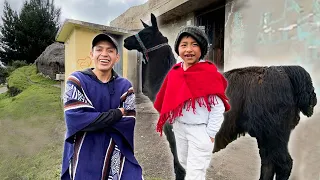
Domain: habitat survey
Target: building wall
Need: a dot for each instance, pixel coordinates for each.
(131, 68)
(79, 46)
(170, 30)
(130, 19)
(70, 54)
(274, 32)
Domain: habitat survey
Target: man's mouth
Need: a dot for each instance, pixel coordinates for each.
(104, 60)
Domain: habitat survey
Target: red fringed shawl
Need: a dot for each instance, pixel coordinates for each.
(195, 84)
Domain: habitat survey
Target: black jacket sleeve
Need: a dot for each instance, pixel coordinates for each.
(106, 119)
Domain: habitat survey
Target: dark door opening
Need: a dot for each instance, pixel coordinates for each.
(213, 20)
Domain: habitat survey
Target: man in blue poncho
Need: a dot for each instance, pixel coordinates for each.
(99, 108)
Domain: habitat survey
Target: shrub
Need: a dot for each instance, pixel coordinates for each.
(3, 75)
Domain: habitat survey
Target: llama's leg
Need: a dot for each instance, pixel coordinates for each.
(266, 154)
(283, 161)
(284, 166)
(178, 169)
(227, 132)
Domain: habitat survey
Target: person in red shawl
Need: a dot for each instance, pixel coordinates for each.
(192, 97)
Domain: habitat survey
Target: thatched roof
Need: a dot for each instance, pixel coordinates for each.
(54, 53)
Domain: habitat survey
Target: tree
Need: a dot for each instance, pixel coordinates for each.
(8, 46)
(34, 29)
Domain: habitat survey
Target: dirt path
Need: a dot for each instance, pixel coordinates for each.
(152, 151)
(3, 90)
(238, 161)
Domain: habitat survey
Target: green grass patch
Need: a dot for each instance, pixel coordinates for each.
(24, 77)
(4, 96)
(31, 128)
(32, 101)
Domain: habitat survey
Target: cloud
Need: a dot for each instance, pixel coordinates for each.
(94, 11)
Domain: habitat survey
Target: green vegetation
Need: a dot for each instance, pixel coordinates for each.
(24, 77)
(31, 127)
(24, 34)
(6, 71)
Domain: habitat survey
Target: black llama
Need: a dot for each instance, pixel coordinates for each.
(265, 102)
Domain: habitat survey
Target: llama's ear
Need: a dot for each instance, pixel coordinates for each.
(144, 24)
(154, 21)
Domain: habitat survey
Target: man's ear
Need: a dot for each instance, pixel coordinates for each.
(91, 54)
(118, 57)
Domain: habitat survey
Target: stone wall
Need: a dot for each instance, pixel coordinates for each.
(130, 19)
(50, 70)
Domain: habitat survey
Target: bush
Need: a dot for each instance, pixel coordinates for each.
(4, 73)
(18, 64)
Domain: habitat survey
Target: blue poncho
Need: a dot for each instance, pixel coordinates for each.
(106, 153)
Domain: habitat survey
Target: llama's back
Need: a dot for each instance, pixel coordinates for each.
(264, 95)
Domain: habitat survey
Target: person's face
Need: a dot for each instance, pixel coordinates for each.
(104, 55)
(189, 50)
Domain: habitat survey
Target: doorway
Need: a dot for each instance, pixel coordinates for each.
(212, 19)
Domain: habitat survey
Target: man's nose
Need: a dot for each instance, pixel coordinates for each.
(104, 53)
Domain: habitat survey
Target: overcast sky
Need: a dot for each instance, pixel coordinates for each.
(94, 11)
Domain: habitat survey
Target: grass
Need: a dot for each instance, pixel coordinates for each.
(26, 76)
(31, 128)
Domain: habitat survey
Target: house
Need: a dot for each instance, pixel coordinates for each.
(242, 32)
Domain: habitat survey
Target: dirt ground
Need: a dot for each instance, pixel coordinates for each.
(238, 161)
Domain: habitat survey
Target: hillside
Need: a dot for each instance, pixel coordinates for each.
(31, 127)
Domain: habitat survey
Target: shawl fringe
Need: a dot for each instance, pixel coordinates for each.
(177, 112)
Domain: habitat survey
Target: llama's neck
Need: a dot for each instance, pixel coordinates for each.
(160, 62)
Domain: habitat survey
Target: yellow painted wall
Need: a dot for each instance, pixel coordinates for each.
(70, 54)
(83, 46)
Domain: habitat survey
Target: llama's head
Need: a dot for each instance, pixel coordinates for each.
(305, 92)
(147, 38)
(307, 101)
(157, 53)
